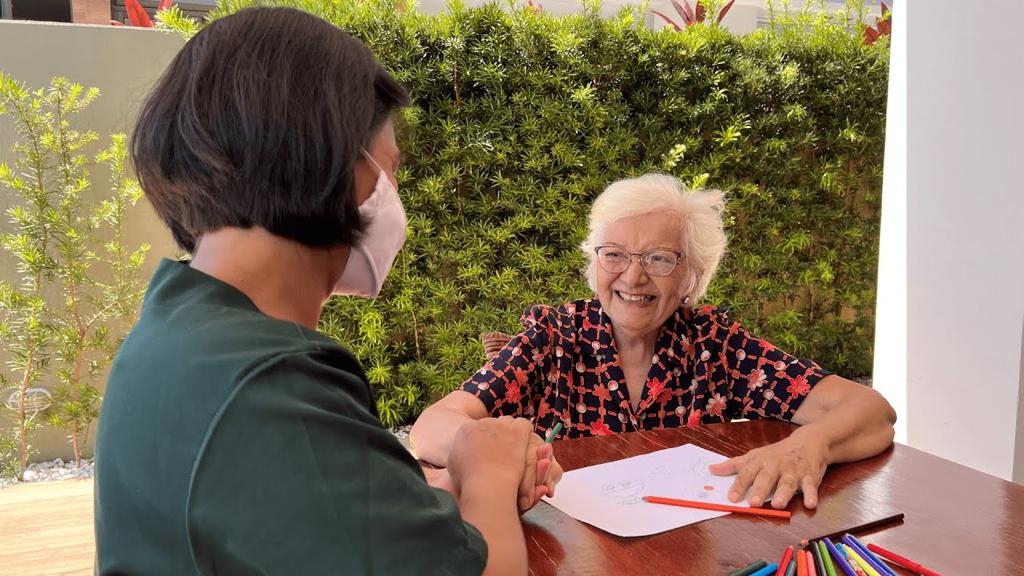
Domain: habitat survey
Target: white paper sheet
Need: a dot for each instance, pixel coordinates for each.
(609, 496)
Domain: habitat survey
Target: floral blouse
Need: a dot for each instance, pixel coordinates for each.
(565, 367)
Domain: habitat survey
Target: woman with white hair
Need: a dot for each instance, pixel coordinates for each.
(641, 355)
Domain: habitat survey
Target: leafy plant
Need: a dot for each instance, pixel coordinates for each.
(520, 119)
(62, 344)
(693, 15)
(9, 452)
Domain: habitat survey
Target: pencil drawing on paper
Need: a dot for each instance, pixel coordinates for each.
(610, 495)
(625, 492)
(692, 477)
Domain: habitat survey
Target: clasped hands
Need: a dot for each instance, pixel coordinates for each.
(488, 441)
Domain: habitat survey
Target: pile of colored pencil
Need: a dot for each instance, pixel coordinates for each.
(848, 556)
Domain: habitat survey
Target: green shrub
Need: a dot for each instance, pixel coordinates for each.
(521, 119)
(65, 238)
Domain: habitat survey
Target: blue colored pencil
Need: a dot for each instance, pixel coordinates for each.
(768, 570)
(839, 557)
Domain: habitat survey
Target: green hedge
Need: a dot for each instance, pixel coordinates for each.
(521, 119)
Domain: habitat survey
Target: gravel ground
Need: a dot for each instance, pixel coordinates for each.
(60, 470)
(53, 470)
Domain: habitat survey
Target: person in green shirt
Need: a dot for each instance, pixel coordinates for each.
(234, 438)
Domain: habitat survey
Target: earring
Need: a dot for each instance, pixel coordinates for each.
(686, 300)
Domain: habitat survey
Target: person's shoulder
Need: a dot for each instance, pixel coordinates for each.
(318, 373)
(706, 316)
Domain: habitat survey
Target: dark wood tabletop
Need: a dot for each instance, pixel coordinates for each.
(958, 521)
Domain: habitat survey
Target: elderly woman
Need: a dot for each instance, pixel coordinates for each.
(641, 356)
(234, 437)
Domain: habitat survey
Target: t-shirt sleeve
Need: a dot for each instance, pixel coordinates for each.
(296, 477)
(510, 383)
(764, 381)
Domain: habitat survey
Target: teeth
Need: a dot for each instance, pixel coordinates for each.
(635, 297)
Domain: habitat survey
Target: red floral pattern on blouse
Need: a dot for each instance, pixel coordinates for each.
(565, 367)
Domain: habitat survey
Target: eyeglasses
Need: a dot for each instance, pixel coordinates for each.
(656, 262)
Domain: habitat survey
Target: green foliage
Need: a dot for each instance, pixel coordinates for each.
(175, 19)
(8, 457)
(63, 244)
(520, 119)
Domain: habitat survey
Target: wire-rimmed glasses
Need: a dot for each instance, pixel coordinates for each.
(656, 262)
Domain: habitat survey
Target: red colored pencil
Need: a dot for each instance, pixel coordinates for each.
(784, 563)
(718, 507)
(901, 561)
(811, 570)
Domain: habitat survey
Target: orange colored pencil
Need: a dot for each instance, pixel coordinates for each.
(801, 563)
(771, 512)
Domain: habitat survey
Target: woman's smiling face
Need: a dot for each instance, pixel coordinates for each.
(636, 302)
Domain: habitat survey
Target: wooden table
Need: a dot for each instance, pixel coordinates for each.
(958, 521)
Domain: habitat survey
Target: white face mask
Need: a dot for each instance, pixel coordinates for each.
(369, 262)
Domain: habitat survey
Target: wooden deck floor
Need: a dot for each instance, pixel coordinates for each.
(46, 529)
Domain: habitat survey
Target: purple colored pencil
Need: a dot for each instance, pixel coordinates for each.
(867, 555)
(839, 557)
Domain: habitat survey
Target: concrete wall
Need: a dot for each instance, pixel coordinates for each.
(964, 283)
(123, 63)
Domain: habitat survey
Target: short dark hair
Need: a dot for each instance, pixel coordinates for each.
(259, 121)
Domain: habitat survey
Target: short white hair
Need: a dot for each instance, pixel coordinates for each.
(700, 212)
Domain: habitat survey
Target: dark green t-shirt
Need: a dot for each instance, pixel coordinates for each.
(231, 442)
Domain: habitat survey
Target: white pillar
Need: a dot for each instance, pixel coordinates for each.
(890, 370)
(964, 231)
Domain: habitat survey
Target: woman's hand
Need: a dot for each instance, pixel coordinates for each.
(439, 478)
(795, 464)
(840, 421)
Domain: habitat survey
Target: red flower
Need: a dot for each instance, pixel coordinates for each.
(716, 405)
(512, 395)
(694, 418)
(655, 386)
(798, 387)
(522, 376)
(599, 428)
(602, 392)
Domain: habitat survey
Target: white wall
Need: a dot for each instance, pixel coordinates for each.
(964, 235)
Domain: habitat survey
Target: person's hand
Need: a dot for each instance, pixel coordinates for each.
(540, 474)
(795, 464)
(491, 451)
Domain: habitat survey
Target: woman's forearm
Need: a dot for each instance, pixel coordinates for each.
(857, 425)
(432, 433)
